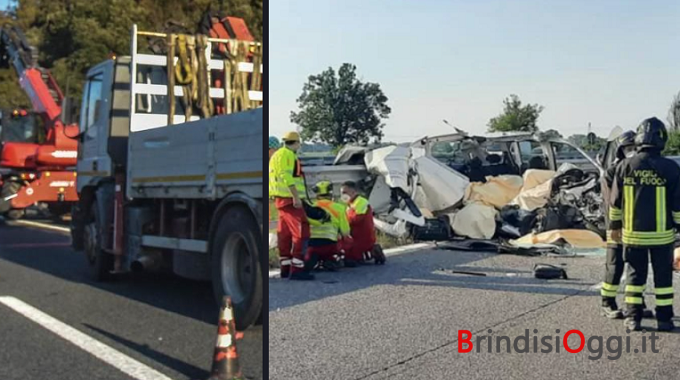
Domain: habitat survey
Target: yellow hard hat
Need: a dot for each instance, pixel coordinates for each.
(291, 136)
(323, 188)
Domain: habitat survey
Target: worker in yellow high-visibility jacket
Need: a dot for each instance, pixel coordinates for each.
(287, 189)
(325, 236)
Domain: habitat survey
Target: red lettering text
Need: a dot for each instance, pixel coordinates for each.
(566, 336)
(462, 340)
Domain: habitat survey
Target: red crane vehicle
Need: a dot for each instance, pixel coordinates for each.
(36, 170)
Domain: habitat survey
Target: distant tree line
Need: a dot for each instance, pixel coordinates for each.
(73, 35)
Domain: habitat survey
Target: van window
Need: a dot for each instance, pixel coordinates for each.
(447, 152)
(565, 153)
(533, 155)
(92, 101)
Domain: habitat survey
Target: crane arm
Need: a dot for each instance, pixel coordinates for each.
(37, 82)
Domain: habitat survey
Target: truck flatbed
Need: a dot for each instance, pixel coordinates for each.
(172, 161)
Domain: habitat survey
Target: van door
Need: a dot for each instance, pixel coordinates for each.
(607, 157)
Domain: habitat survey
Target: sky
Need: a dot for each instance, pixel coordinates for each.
(608, 62)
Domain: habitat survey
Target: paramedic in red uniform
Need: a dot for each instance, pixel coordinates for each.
(360, 216)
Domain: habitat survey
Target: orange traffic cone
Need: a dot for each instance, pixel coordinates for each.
(226, 365)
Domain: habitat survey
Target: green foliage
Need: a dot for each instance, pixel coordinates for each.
(552, 134)
(674, 113)
(74, 35)
(11, 95)
(673, 144)
(582, 142)
(516, 117)
(340, 109)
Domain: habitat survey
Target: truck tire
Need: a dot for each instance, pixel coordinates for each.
(100, 262)
(8, 188)
(236, 270)
(15, 214)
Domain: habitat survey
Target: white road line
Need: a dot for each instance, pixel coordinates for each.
(124, 363)
(43, 226)
(388, 252)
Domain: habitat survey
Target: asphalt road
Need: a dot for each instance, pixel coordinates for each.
(164, 323)
(401, 321)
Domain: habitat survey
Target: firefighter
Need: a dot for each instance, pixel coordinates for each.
(323, 243)
(614, 262)
(644, 211)
(287, 189)
(360, 216)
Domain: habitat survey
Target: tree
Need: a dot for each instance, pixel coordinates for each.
(674, 113)
(578, 139)
(340, 109)
(516, 117)
(582, 142)
(552, 134)
(73, 35)
(673, 144)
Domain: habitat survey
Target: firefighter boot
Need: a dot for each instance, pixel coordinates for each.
(632, 324)
(665, 326)
(611, 311)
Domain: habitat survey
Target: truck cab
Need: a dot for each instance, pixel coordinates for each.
(22, 130)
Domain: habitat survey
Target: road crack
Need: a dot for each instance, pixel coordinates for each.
(482, 330)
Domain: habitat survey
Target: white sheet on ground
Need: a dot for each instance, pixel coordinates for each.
(575, 238)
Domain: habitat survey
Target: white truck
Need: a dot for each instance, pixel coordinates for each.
(179, 194)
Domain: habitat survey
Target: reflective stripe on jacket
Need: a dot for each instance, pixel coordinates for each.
(285, 170)
(336, 226)
(645, 200)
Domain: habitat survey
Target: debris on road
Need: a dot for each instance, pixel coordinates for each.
(480, 274)
(549, 272)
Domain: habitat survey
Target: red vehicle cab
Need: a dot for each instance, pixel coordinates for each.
(19, 139)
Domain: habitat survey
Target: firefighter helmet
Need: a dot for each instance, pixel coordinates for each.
(323, 188)
(626, 139)
(651, 133)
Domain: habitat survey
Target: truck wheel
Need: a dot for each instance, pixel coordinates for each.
(15, 214)
(236, 268)
(101, 263)
(8, 188)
